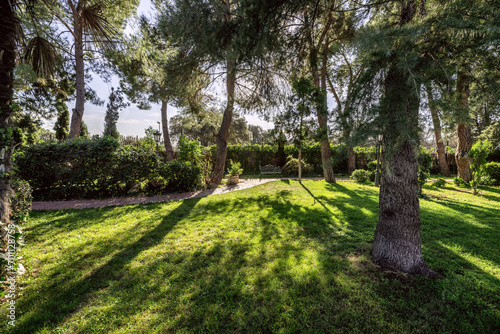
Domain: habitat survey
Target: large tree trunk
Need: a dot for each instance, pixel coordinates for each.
(220, 159)
(7, 63)
(77, 116)
(166, 135)
(463, 130)
(396, 244)
(441, 152)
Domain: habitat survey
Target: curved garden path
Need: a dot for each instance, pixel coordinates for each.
(97, 203)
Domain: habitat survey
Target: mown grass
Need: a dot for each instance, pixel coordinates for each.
(281, 257)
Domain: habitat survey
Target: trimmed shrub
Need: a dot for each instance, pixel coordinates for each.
(182, 176)
(360, 176)
(292, 167)
(20, 201)
(99, 168)
(440, 183)
(459, 182)
(372, 166)
(493, 171)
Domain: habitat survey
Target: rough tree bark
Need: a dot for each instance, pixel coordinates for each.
(397, 244)
(166, 135)
(441, 152)
(220, 159)
(7, 63)
(463, 129)
(77, 116)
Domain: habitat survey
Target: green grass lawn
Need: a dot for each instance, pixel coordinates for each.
(280, 257)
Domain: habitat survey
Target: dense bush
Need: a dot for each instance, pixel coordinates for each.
(493, 171)
(371, 166)
(99, 168)
(182, 176)
(20, 201)
(424, 164)
(440, 183)
(459, 182)
(292, 167)
(361, 176)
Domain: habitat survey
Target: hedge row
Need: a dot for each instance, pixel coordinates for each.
(100, 168)
(254, 156)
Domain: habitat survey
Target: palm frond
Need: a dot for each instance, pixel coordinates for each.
(97, 26)
(42, 56)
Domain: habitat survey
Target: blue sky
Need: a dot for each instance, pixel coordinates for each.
(132, 121)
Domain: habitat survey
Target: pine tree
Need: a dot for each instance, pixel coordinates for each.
(62, 124)
(115, 104)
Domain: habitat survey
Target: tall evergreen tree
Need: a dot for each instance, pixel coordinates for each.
(214, 35)
(62, 124)
(115, 104)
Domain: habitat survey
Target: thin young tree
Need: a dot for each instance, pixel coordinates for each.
(436, 121)
(296, 120)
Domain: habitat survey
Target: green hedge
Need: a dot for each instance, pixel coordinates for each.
(254, 156)
(98, 168)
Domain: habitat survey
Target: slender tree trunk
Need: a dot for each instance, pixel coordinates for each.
(351, 160)
(397, 244)
(463, 129)
(300, 164)
(166, 135)
(77, 116)
(7, 63)
(441, 152)
(323, 121)
(220, 159)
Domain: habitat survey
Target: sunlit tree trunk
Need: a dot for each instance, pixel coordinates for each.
(77, 116)
(441, 152)
(166, 135)
(220, 159)
(7, 63)
(300, 165)
(322, 113)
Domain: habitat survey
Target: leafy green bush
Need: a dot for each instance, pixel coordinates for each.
(371, 166)
(182, 176)
(493, 171)
(189, 150)
(360, 176)
(440, 183)
(459, 182)
(478, 153)
(99, 168)
(20, 201)
(424, 164)
(292, 167)
(235, 168)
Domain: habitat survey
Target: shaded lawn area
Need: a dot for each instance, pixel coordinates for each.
(281, 257)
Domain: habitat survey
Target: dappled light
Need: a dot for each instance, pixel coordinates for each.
(280, 255)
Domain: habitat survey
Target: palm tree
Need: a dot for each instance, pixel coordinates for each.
(42, 56)
(86, 23)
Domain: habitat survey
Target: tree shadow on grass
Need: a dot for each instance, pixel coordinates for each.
(65, 298)
(293, 261)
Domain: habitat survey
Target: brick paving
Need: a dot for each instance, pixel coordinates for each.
(97, 203)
